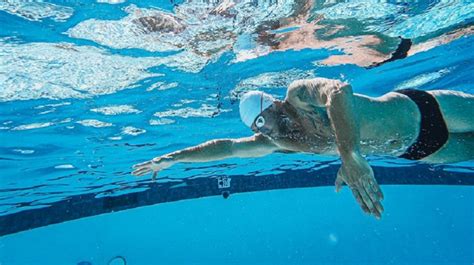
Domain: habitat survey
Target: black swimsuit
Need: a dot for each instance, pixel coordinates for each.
(433, 130)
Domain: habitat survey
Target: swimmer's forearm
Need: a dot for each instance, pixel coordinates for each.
(343, 120)
(254, 146)
(354, 171)
(208, 151)
(221, 149)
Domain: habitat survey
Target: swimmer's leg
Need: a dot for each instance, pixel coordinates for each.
(459, 147)
(400, 53)
(457, 108)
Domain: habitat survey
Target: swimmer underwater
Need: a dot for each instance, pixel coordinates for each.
(323, 116)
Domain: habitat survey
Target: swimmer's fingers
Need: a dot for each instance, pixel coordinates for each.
(144, 164)
(376, 200)
(372, 203)
(359, 199)
(143, 168)
(368, 189)
(361, 177)
(339, 180)
(366, 199)
(358, 190)
(364, 192)
(141, 171)
(379, 192)
(373, 187)
(155, 174)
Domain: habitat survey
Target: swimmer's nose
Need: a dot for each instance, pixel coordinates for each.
(254, 128)
(264, 130)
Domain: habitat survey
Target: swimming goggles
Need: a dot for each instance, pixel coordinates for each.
(260, 120)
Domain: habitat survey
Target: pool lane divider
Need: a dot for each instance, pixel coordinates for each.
(91, 204)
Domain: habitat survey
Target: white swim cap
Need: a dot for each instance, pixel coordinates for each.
(252, 104)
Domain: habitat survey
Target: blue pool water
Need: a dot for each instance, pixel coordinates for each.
(87, 89)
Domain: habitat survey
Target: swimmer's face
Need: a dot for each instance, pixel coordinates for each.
(270, 121)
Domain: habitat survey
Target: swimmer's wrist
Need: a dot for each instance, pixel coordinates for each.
(166, 159)
(170, 159)
(349, 155)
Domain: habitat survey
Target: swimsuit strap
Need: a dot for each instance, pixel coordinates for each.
(261, 110)
(433, 130)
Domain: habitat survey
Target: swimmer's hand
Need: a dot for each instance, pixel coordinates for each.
(152, 166)
(358, 175)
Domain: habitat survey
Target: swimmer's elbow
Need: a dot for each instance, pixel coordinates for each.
(255, 146)
(316, 92)
(339, 93)
(299, 94)
(254, 152)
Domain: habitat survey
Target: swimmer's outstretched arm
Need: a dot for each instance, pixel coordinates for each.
(337, 98)
(254, 146)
